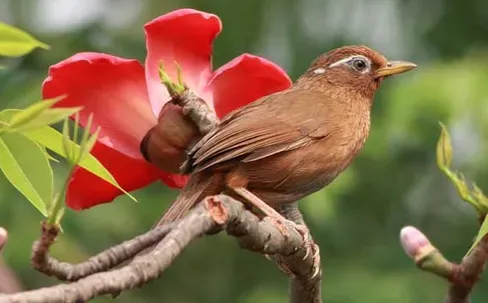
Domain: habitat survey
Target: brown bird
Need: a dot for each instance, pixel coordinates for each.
(290, 144)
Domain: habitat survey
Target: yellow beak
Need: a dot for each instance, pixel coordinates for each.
(394, 68)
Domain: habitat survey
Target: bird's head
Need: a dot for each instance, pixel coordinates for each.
(357, 68)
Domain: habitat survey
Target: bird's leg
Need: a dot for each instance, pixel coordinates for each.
(236, 181)
(257, 202)
(292, 212)
(265, 208)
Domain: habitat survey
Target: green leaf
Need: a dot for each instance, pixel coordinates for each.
(481, 233)
(462, 188)
(483, 201)
(53, 140)
(22, 116)
(74, 157)
(5, 116)
(89, 144)
(68, 151)
(15, 42)
(50, 138)
(40, 114)
(26, 166)
(48, 155)
(444, 149)
(50, 116)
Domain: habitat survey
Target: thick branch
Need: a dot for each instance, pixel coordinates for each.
(302, 288)
(136, 274)
(468, 273)
(214, 213)
(101, 262)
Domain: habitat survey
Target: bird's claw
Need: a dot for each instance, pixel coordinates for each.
(310, 247)
(316, 260)
(307, 252)
(284, 269)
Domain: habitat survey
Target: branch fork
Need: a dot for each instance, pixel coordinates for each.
(213, 214)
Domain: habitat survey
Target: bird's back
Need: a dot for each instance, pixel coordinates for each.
(287, 145)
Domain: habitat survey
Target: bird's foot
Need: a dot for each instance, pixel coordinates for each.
(278, 222)
(311, 249)
(284, 268)
(314, 248)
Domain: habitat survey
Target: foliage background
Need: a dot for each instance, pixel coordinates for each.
(356, 220)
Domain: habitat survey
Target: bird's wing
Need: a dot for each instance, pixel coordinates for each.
(269, 126)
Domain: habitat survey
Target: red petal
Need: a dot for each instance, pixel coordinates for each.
(113, 89)
(184, 36)
(86, 190)
(173, 181)
(244, 80)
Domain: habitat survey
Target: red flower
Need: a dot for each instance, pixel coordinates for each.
(126, 97)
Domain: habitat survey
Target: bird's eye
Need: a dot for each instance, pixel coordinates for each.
(359, 64)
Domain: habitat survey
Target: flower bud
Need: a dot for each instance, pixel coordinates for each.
(3, 237)
(413, 241)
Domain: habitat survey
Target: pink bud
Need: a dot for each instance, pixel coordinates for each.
(3, 237)
(413, 240)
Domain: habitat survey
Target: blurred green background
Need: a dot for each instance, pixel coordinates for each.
(356, 220)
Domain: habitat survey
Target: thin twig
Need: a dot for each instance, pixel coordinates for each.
(43, 262)
(468, 273)
(462, 277)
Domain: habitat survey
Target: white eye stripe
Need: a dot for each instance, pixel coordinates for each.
(319, 70)
(345, 60)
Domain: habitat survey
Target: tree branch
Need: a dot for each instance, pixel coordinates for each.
(101, 262)
(302, 288)
(213, 214)
(462, 277)
(468, 273)
(294, 256)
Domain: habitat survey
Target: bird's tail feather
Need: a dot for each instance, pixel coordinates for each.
(199, 186)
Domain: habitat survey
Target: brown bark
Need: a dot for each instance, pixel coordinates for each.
(213, 214)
